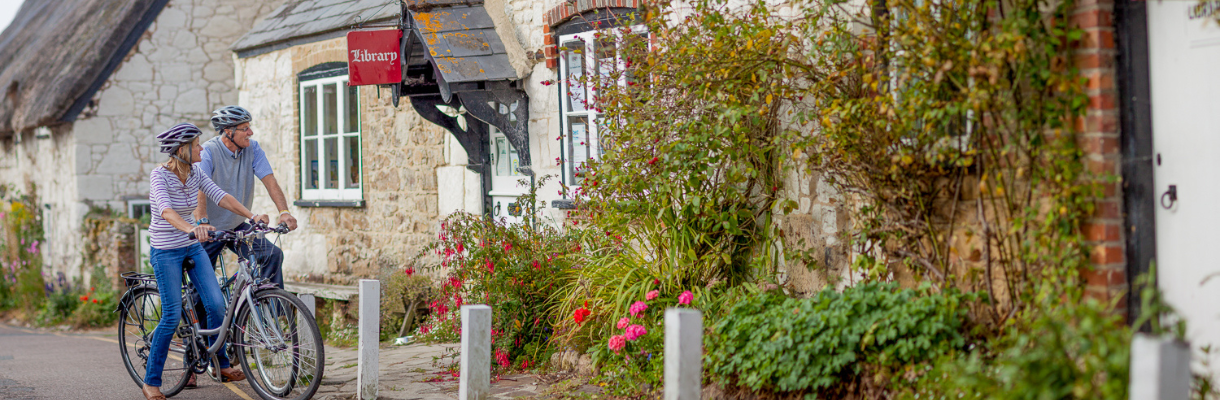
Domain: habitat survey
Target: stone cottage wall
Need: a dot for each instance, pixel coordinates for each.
(180, 71)
(400, 151)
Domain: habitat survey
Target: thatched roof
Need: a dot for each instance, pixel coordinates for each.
(57, 53)
(303, 21)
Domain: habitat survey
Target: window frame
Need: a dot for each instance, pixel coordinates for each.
(342, 136)
(568, 112)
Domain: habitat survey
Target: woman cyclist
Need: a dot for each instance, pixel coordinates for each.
(173, 192)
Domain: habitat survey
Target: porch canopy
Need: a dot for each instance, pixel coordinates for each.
(463, 60)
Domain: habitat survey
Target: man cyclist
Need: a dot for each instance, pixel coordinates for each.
(234, 161)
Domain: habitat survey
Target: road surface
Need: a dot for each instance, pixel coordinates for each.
(41, 364)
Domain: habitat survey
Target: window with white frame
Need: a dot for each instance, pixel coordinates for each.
(330, 140)
(583, 55)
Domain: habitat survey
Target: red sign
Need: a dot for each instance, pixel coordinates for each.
(373, 57)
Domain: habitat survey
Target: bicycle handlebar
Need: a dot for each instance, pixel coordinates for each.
(236, 234)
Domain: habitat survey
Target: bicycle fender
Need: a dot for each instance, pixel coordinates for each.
(130, 294)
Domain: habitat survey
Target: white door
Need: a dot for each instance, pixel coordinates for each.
(1184, 62)
(505, 180)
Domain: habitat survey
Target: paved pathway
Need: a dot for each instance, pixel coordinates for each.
(409, 373)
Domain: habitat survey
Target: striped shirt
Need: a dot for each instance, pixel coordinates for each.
(167, 191)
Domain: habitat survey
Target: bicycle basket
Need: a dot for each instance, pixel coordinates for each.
(132, 279)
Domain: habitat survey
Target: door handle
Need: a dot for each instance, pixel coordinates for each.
(1172, 195)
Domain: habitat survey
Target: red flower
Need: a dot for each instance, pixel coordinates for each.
(84, 298)
(491, 268)
(502, 358)
(94, 301)
(508, 246)
(409, 271)
(652, 161)
(537, 265)
(460, 248)
(580, 314)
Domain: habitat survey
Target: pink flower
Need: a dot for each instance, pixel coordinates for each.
(622, 323)
(491, 268)
(686, 297)
(652, 295)
(617, 342)
(635, 331)
(508, 246)
(637, 308)
(502, 358)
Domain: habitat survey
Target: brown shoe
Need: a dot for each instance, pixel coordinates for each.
(190, 382)
(153, 393)
(231, 375)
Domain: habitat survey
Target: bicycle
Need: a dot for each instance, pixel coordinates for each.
(275, 337)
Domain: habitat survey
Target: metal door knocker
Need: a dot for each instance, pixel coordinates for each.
(1172, 194)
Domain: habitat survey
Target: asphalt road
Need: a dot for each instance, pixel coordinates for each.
(50, 365)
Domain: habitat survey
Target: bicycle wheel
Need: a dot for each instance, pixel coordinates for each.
(279, 346)
(139, 315)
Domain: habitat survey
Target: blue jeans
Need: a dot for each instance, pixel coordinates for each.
(167, 266)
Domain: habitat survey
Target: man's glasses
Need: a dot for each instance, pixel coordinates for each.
(242, 130)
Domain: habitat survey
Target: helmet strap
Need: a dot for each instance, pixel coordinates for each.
(230, 131)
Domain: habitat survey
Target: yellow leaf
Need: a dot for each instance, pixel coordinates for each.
(768, 99)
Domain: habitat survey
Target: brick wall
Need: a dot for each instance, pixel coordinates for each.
(1095, 56)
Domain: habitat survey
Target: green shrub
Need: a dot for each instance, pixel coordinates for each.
(1070, 351)
(779, 344)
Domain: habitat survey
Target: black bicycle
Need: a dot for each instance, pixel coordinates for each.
(274, 336)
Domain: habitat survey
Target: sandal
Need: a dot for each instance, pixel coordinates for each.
(155, 394)
(234, 375)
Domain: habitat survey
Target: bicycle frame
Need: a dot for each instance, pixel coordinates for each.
(246, 286)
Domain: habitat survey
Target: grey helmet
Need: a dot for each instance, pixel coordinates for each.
(229, 116)
(177, 136)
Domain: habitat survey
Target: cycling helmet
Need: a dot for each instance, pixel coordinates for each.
(228, 116)
(176, 136)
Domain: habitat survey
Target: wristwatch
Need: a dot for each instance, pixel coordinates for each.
(201, 221)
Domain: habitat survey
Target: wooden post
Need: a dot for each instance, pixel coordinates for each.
(683, 354)
(370, 324)
(475, 379)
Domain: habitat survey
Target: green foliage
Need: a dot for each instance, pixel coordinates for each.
(400, 289)
(953, 122)
(21, 280)
(1071, 351)
(780, 344)
(333, 325)
(515, 268)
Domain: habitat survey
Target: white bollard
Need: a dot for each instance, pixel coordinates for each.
(474, 381)
(1160, 369)
(311, 304)
(370, 324)
(683, 354)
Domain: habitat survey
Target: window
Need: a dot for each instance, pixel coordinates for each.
(584, 54)
(138, 209)
(330, 140)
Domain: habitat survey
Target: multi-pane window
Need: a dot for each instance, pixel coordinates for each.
(330, 140)
(588, 59)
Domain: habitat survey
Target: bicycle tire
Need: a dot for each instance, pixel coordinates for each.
(298, 365)
(138, 318)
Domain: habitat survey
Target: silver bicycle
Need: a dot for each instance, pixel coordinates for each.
(274, 336)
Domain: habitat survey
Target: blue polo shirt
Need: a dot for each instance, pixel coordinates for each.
(259, 162)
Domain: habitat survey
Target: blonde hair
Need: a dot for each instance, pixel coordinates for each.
(179, 168)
